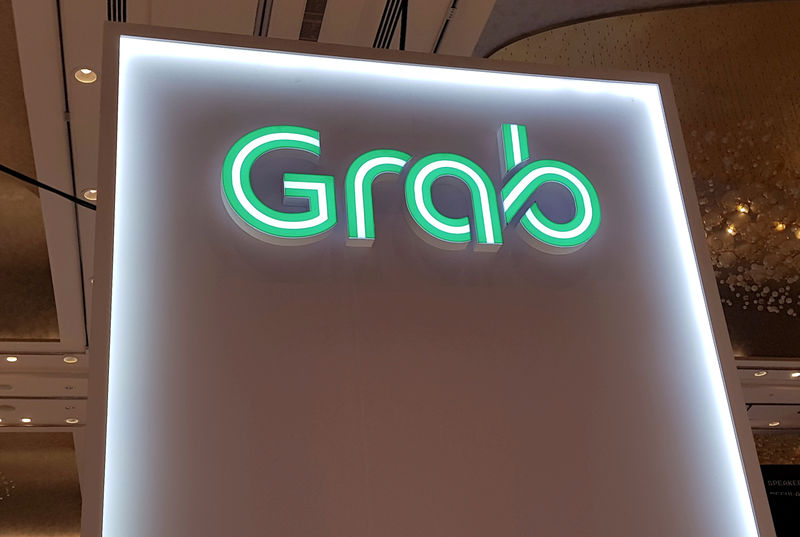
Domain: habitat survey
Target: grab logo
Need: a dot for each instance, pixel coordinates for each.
(491, 213)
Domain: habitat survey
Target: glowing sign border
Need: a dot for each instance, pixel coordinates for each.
(107, 335)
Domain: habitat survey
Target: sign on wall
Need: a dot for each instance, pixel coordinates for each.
(318, 191)
(455, 377)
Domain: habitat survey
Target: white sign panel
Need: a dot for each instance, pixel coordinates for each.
(524, 346)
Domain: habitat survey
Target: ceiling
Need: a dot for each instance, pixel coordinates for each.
(27, 304)
(739, 107)
(39, 492)
(512, 19)
(50, 130)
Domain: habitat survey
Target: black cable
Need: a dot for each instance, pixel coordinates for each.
(72, 173)
(444, 26)
(30, 180)
(403, 24)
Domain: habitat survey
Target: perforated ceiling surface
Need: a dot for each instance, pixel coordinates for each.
(733, 69)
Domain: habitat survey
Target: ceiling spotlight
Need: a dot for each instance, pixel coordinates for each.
(795, 374)
(72, 421)
(85, 75)
(780, 226)
(742, 208)
(774, 423)
(731, 229)
(759, 373)
(26, 420)
(90, 194)
(70, 360)
(11, 358)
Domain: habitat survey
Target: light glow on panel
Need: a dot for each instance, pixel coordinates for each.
(436, 78)
(700, 311)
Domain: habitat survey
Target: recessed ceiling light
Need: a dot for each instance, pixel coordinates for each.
(90, 194)
(11, 358)
(742, 208)
(85, 75)
(780, 226)
(795, 374)
(72, 421)
(70, 360)
(774, 423)
(1, 420)
(26, 420)
(731, 229)
(759, 373)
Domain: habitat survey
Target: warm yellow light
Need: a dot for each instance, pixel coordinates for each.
(72, 421)
(774, 423)
(760, 373)
(90, 194)
(780, 226)
(742, 208)
(11, 358)
(797, 233)
(731, 229)
(85, 76)
(795, 374)
(70, 360)
(26, 420)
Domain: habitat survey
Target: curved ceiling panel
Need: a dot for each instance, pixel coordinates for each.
(511, 19)
(733, 68)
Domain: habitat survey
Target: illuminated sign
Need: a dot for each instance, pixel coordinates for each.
(402, 390)
(525, 176)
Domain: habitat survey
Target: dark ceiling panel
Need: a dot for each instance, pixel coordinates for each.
(27, 303)
(39, 485)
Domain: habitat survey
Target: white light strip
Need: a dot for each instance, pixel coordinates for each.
(652, 97)
(377, 69)
(323, 206)
(361, 226)
(515, 144)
